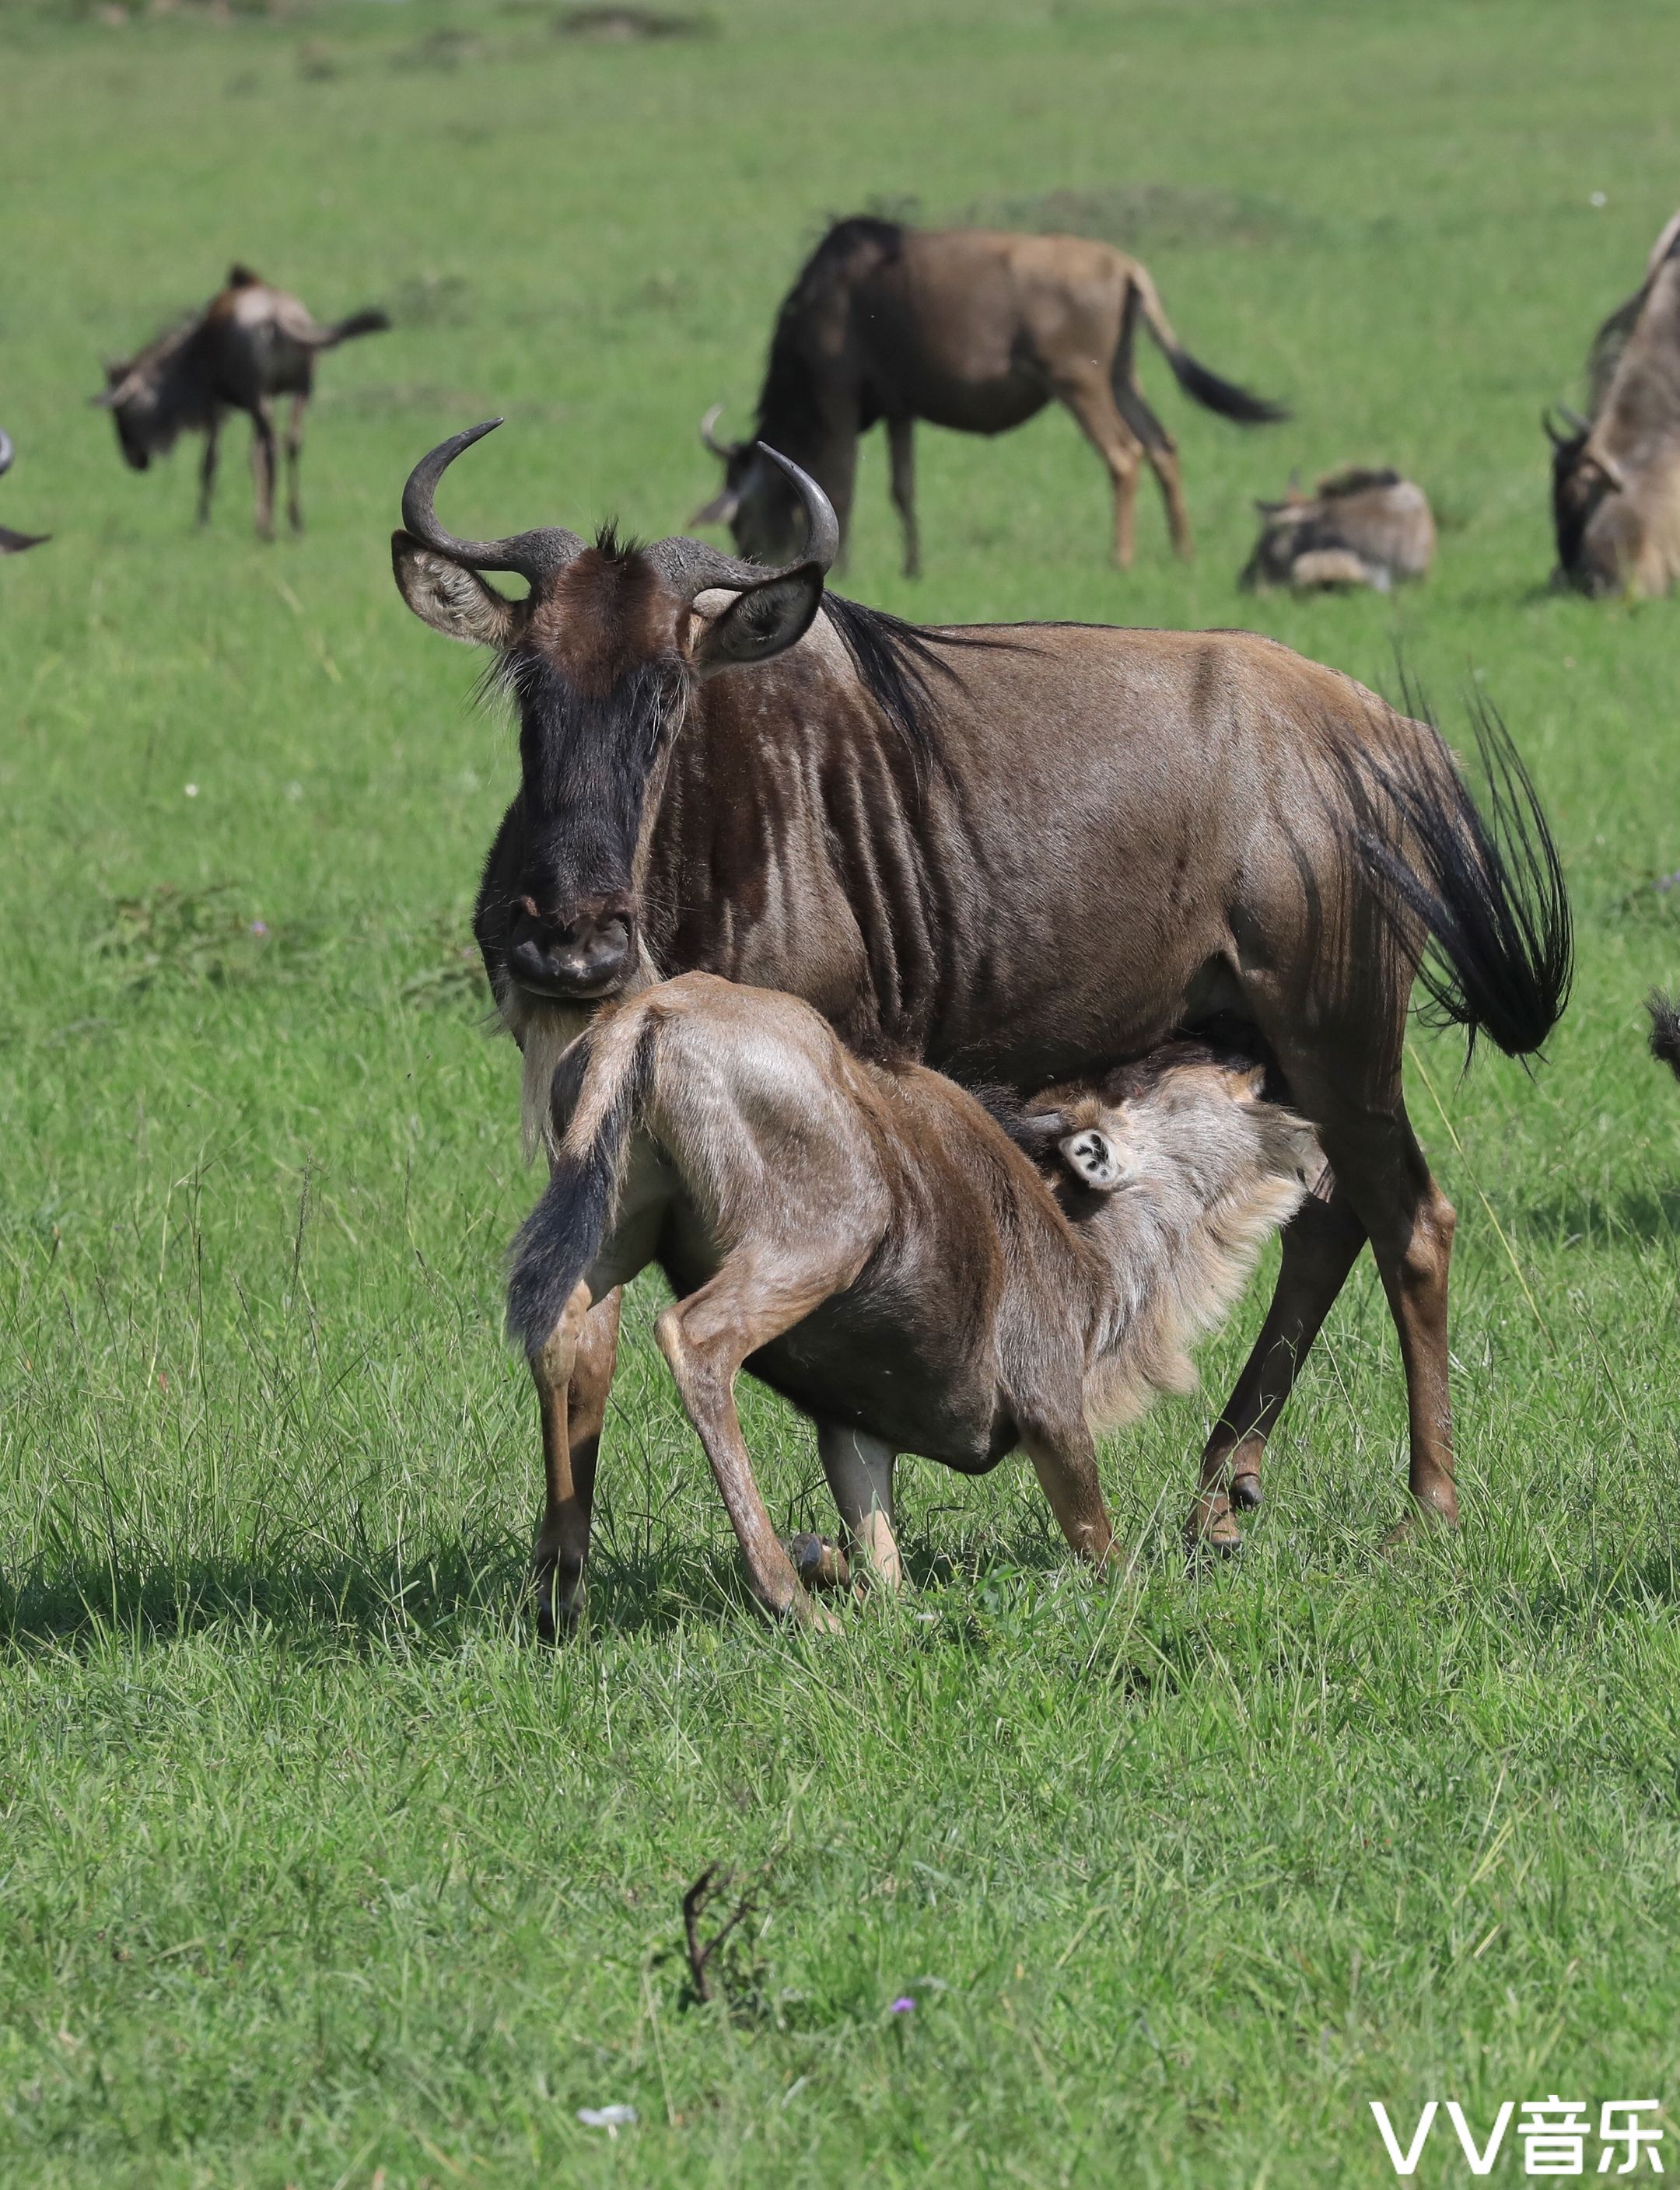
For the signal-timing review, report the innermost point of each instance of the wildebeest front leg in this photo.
(1320, 1246)
(262, 467)
(294, 449)
(706, 1338)
(207, 470)
(1066, 1461)
(901, 447)
(573, 1376)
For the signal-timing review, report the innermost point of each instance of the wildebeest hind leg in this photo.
(1093, 404)
(1319, 1247)
(573, 1376)
(901, 447)
(752, 1301)
(263, 467)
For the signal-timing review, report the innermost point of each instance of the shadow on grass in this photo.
(1637, 1213)
(386, 1599)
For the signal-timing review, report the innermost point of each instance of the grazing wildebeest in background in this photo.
(1664, 1030)
(1019, 852)
(869, 1240)
(965, 328)
(1358, 527)
(1615, 475)
(250, 345)
(14, 543)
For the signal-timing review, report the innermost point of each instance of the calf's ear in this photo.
(1092, 1157)
(449, 597)
(761, 621)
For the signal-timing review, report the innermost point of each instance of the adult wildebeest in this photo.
(967, 329)
(1664, 1030)
(1615, 476)
(1018, 852)
(1358, 527)
(250, 345)
(870, 1241)
(14, 543)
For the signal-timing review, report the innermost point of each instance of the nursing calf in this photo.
(871, 1242)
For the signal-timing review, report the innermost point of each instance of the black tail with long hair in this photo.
(1224, 396)
(1486, 882)
(373, 321)
(561, 1238)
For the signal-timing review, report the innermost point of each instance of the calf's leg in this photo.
(573, 1376)
(263, 467)
(752, 1300)
(859, 1471)
(1065, 1459)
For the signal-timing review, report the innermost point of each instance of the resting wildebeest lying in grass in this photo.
(1615, 476)
(1018, 852)
(966, 328)
(248, 346)
(1357, 528)
(14, 543)
(1664, 1031)
(871, 1242)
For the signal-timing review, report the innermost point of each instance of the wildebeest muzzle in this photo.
(587, 956)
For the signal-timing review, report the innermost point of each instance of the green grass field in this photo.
(313, 1870)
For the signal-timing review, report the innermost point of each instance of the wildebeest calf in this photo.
(1664, 1030)
(1615, 476)
(872, 1243)
(250, 344)
(14, 543)
(1357, 528)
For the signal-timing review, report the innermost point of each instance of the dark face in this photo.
(1578, 486)
(601, 660)
(130, 438)
(758, 504)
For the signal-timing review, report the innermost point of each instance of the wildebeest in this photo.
(14, 543)
(1664, 1030)
(250, 345)
(1019, 852)
(1615, 475)
(870, 1241)
(965, 328)
(1359, 527)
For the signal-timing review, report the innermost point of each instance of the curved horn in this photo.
(530, 555)
(822, 526)
(708, 434)
(5, 451)
(1574, 419)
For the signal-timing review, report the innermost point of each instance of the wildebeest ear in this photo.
(1092, 1157)
(763, 621)
(720, 510)
(451, 599)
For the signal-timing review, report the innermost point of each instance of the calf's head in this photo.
(601, 657)
(1582, 480)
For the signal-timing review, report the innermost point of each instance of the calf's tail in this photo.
(599, 1088)
(1485, 882)
(1198, 382)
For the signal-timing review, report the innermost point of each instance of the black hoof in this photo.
(818, 1564)
(1246, 1491)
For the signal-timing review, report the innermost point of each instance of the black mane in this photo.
(897, 664)
(788, 408)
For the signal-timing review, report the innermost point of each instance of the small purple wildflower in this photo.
(259, 927)
(903, 2005)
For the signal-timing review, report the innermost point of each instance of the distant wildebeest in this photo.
(1358, 527)
(968, 329)
(1615, 475)
(869, 1240)
(250, 345)
(1019, 852)
(1664, 1030)
(14, 543)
